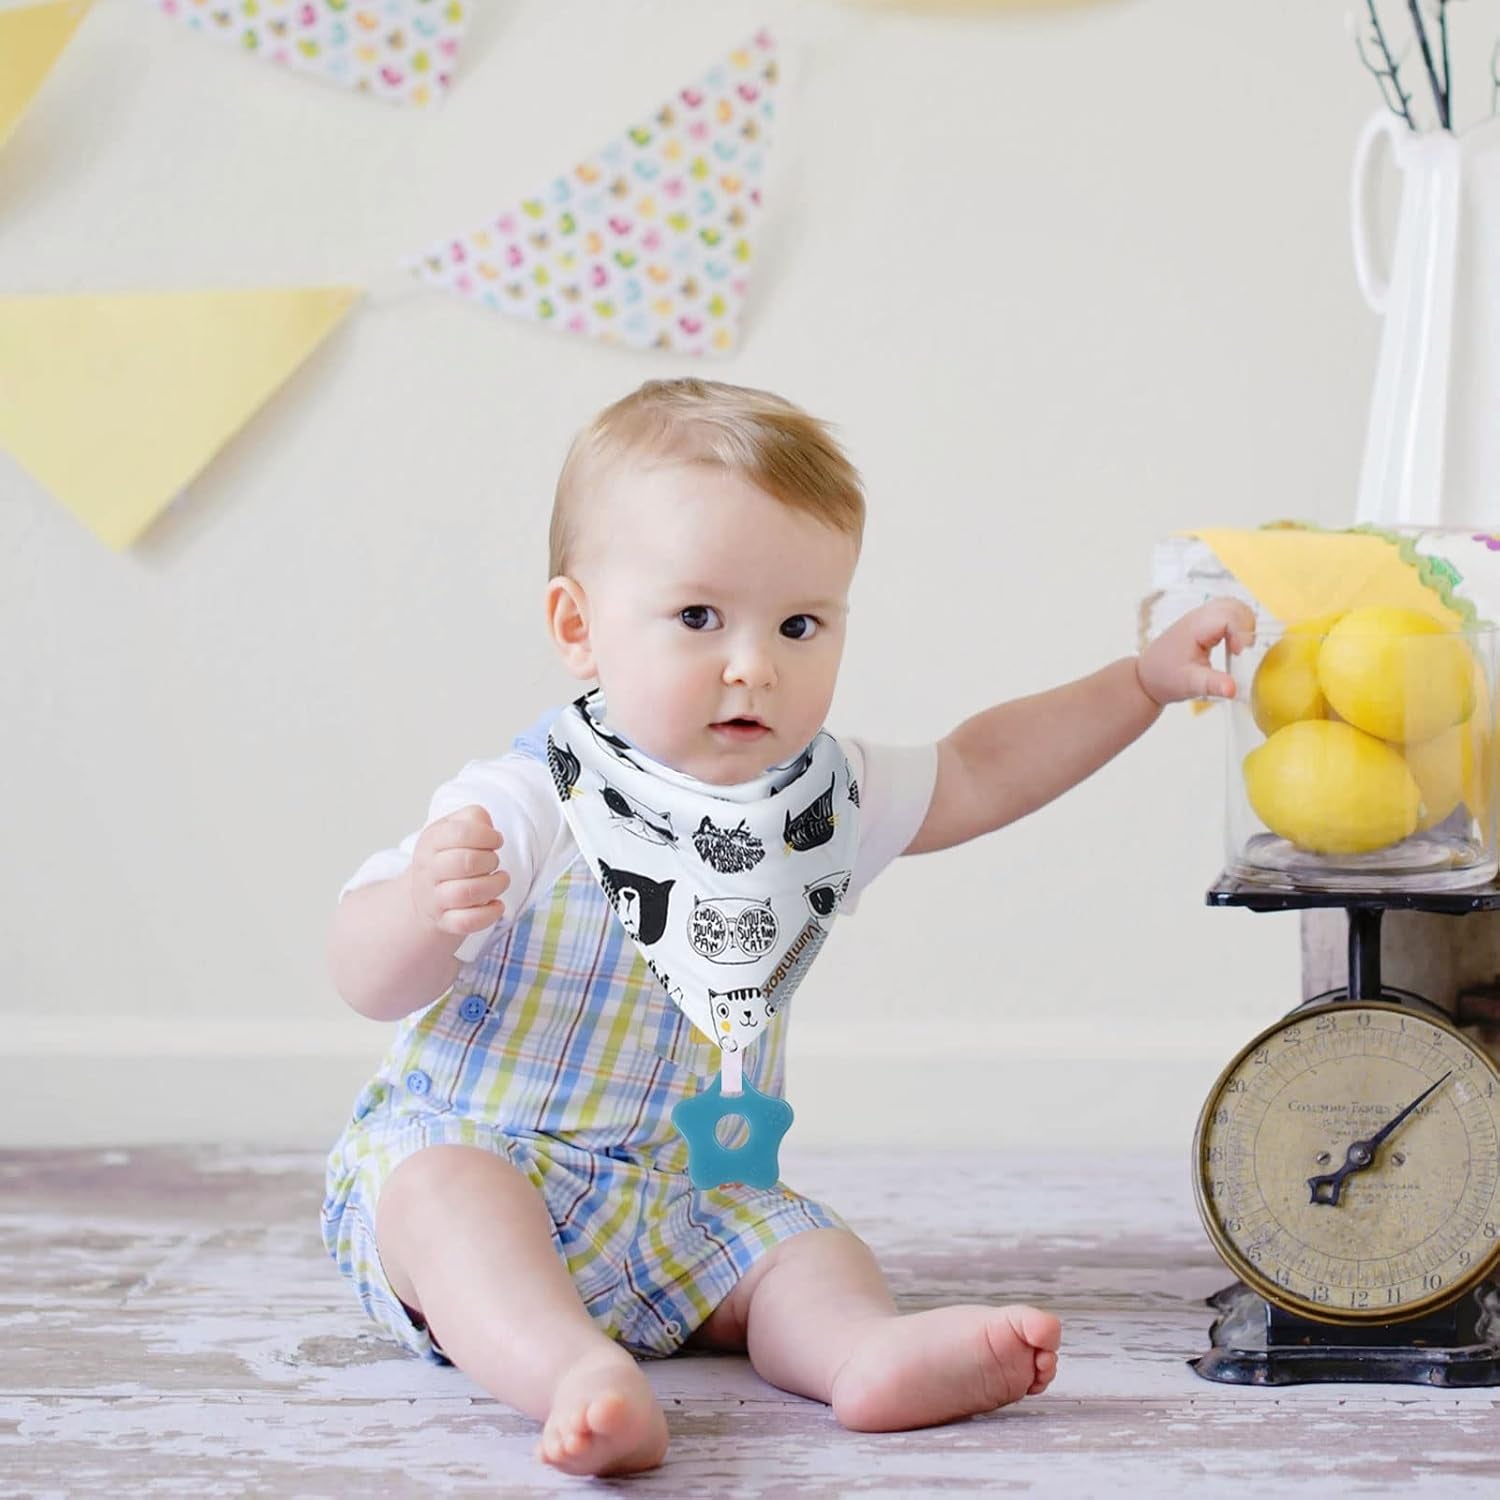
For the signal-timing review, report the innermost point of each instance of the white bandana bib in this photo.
(727, 891)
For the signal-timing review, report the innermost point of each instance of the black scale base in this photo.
(1257, 1344)
(1254, 1343)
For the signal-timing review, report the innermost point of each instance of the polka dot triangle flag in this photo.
(646, 243)
(400, 50)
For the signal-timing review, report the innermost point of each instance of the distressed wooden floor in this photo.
(169, 1325)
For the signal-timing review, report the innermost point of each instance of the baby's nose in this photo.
(751, 664)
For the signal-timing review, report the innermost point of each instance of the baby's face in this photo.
(716, 618)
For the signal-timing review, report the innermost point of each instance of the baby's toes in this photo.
(1046, 1371)
(563, 1436)
(1039, 1329)
(605, 1420)
(607, 1415)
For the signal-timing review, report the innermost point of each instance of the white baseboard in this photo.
(1058, 1083)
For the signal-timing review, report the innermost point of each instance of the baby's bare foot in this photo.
(604, 1420)
(937, 1366)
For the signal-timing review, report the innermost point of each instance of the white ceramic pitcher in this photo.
(1432, 451)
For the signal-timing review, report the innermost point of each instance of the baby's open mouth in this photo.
(741, 728)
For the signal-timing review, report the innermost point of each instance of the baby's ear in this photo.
(568, 623)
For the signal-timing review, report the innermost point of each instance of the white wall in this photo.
(1068, 281)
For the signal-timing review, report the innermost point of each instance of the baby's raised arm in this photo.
(1017, 756)
(393, 944)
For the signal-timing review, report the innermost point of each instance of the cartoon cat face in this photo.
(741, 1008)
(643, 822)
(640, 902)
(619, 748)
(813, 825)
(823, 896)
(793, 772)
(728, 850)
(564, 767)
(732, 929)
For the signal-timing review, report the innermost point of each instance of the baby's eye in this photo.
(799, 627)
(699, 617)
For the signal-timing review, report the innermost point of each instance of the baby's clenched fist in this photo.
(455, 875)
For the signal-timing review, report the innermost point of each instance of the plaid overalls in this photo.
(558, 1050)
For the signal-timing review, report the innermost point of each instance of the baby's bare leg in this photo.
(817, 1318)
(466, 1241)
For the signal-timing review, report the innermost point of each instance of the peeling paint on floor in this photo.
(170, 1325)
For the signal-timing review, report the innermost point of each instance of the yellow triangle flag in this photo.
(116, 402)
(30, 40)
(1297, 573)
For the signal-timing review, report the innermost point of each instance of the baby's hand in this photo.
(456, 877)
(1175, 665)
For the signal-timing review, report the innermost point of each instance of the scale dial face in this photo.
(1414, 1218)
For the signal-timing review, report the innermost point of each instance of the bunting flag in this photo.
(116, 402)
(960, 6)
(646, 243)
(400, 50)
(30, 40)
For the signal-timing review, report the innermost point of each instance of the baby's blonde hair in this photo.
(777, 446)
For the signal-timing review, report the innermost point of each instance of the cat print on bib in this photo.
(729, 889)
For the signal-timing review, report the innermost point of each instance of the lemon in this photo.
(1480, 790)
(1458, 765)
(1396, 673)
(1479, 779)
(1444, 769)
(1332, 789)
(1286, 687)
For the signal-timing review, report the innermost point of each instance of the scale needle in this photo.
(1361, 1154)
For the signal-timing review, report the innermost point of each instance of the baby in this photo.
(511, 1194)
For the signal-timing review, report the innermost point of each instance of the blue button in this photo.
(473, 1008)
(418, 1082)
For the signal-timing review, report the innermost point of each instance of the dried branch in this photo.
(1439, 93)
(1389, 76)
(1442, 12)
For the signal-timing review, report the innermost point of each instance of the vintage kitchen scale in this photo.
(1347, 1160)
(1347, 1169)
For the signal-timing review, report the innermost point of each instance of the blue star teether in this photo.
(711, 1164)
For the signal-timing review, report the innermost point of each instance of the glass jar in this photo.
(1362, 753)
